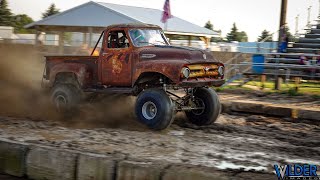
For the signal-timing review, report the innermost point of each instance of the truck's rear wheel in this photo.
(154, 109)
(65, 98)
(208, 100)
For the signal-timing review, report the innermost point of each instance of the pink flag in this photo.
(166, 12)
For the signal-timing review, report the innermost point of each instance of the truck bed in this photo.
(90, 61)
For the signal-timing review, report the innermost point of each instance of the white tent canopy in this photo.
(98, 15)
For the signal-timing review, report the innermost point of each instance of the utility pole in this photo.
(283, 16)
(319, 10)
(318, 20)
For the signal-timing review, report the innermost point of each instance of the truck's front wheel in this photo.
(209, 106)
(65, 98)
(155, 109)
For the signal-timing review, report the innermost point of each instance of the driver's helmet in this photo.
(137, 35)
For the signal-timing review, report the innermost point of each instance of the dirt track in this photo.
(246, 142)
(238, 142)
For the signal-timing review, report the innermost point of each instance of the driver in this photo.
(123, 41)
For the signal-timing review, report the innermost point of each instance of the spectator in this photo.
(284, 44)
(317, 63)
(318, 58)
(303, 60)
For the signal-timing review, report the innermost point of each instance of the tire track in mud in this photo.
(232, 142)
(294, 140)
(281, 141)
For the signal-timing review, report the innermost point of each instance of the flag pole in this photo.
(166, 14)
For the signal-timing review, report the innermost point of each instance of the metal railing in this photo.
(235, 69)
(278, 68)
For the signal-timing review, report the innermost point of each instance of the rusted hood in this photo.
(176, 53)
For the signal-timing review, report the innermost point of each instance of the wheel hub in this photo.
(198, 103)
(61, 102)
(149, 110)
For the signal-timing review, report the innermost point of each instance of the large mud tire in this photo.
(207, 98)
(155, 109)
(66, 98)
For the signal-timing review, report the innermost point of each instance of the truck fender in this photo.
(145, 75)
(171, 71)
(79, 70)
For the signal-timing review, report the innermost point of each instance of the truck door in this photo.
(115, 62)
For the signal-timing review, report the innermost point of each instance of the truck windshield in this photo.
(147, 37)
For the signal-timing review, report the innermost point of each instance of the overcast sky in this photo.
(251, 16)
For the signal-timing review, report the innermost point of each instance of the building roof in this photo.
(99, 14)
(134, 25)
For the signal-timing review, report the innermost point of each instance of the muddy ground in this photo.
(107, 125)
(247, 142)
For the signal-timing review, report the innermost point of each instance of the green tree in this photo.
(67, 37)
(217, 39)
(5, 14)
(208, 25)
(265, 35)
(289, 35)
(233, 35)
(243, 36)
(50, 11)
(20, 21)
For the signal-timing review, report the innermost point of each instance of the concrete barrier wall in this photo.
(271, 110)
(49, 163)
(41, 162)
(97, 166)
(12, 158)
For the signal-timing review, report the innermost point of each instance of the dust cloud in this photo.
(21, 95)
(20, 82)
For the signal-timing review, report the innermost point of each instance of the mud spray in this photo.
(21, 95)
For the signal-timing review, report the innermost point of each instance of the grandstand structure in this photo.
(301, 61)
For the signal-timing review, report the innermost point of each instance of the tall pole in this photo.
(318, 23)
(319, 10)
(283, 16)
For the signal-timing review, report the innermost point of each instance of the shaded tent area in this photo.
(94, 17)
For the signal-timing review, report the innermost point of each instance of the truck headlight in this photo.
(221, 70)
(185, 72)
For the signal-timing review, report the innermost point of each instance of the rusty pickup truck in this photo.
(138, 60)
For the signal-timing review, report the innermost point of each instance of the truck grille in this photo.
(203, 70)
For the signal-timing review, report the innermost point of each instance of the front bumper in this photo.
(201, 82)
